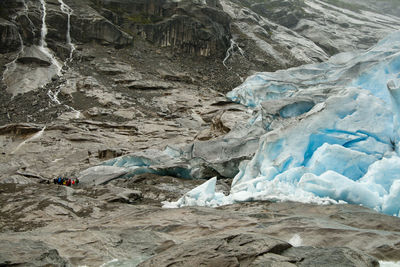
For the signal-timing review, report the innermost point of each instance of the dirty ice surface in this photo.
(332, 134)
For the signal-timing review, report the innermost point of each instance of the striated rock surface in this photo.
(97, 224)
(334, 26)
(253, 250)
(194, 27)
(10, 41)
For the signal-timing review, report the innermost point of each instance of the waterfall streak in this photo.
(33, 137)
(43, 45)
(231, 51)
(68, 11)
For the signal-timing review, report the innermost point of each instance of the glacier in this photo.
(331, 134)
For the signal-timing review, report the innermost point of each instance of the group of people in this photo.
(66, 181)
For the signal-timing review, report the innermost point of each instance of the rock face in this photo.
(330, 25)
(287, 33)
(10, 41)
(91, 26)
(259, 36)
(189, 26)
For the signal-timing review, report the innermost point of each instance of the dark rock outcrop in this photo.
(86, 25)
(9, 37)
(287, 13)
(188, 26)
(101, 31)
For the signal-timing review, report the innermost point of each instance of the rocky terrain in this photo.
(52, 224)
(84, 81)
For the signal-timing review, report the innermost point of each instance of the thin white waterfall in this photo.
(55, 68)
(26, 11)
(54, 95)
(43, 45)
(231, 51)
(68, 11)
(33, 137)
(25, 6)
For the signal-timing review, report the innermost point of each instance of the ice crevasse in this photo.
(333, 138)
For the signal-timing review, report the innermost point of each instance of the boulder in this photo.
(122, 196)
(149, 85)
(34, 55)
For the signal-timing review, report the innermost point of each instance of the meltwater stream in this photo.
(231, 51)
(43, 46)
(20, 75)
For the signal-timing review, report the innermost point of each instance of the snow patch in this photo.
(389, 264)
(296, 241)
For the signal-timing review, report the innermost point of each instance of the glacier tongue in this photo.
(332, 134)
(371, 70)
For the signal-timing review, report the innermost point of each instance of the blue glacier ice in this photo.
(332, 134)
